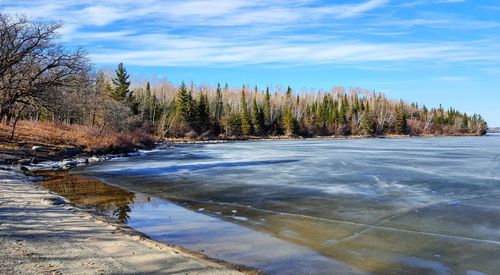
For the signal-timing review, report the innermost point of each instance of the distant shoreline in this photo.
(277, 138)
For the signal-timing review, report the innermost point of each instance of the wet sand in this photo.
(40, 234)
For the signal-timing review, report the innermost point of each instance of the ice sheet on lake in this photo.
(373, 197)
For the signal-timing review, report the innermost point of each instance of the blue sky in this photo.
(432, 52)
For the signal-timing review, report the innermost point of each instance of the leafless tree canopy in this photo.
(35, 70)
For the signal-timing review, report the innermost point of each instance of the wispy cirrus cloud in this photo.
(179, 50)
(211, 12)
(238, 32)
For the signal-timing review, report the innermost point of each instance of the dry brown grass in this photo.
(91, 139)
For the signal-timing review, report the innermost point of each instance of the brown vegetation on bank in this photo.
(45, 140)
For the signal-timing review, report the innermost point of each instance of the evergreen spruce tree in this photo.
(183, 104)
(257, 117)
(246, 124)
(147, 104)
(368, 125)
(219, 105)
(343, 106)
(121, 83)
(120, 92)
(335, 113)
(233, 124)
(288, 122)
(289, 125)
(320, 119)
(401, 127)
(133, 103)
(465, 123)
(193, 115)
(203, 113)
(266, 109)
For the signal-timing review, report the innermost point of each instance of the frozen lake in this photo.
(419, 205)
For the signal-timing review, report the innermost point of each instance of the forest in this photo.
(43, 81)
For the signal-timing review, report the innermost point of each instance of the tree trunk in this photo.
(16, 119)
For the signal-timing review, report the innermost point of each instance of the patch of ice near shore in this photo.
(378, 187)
(434, 266)
(239, 218)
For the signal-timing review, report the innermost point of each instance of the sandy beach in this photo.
(42, 234)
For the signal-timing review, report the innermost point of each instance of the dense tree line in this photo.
(40, 80)
(213, 112)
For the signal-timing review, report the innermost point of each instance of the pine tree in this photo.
(342, 113)
(320, 118)
(267, 111)
(368, 125)
(257, 118)
(289, 124)
(233, 124)
(246, 125)
(121, 82)
(203, 113)
(191, 104)
(133, 103)
(287, 121)
(401, 127)
(219, 105)
(146, 104)
(465, 123)
(183, 103)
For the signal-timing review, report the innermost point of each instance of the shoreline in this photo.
(21, 195)
(292, 138)
(86, 158)
(29, 154)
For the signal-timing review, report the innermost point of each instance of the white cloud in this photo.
(175, 50)
(222, 32)
(355, 10)
(101, 15)
(190, 12)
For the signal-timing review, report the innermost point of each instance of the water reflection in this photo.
(90, 193)
(170, 223)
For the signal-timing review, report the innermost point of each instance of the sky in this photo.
(427, 51)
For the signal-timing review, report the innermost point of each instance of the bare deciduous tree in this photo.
(35, 70)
